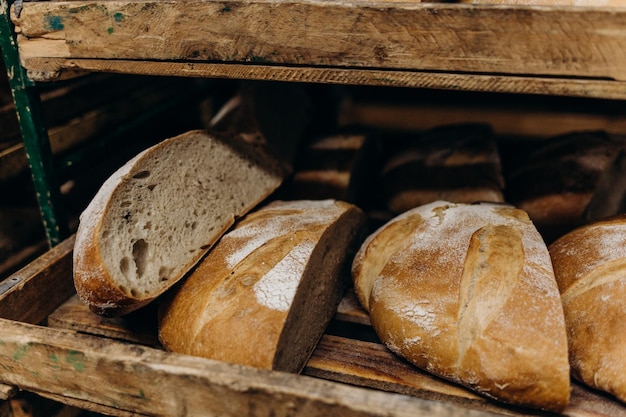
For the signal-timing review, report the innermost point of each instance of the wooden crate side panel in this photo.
(556, 41)
(33, 292)
(152, 382)
(49, 69)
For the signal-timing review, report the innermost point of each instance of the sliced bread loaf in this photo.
(155, 217)
(265, 293)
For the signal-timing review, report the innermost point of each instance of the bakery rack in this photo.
(568, 51)
(48, 343)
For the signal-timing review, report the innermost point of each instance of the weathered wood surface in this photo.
(139, 327)
(153, 382)
(32, 293)
(345, 359)
(455, 38)
(7, 391)
(509, 117)
(49, 69)
(122, 106)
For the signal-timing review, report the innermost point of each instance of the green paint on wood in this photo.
(54, 23)
(20, 353)
(34, 133)
(110, 30)
(55, 360)
(118, 17)
(225, 9)
(75, 359)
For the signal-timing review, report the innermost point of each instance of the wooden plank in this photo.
(32, 293)
(49, 69)
(346, 360)
(88, 406)
(149, 381)
(139, 327)
(370, 364)
(505, 119)
(349, 310)
(540, 41)
(7, 391)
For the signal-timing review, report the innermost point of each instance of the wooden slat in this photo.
(32, 293)
(139, 327)
(149, 381)
(93, 122)
(346, 360)
(7, 391)
(507, 119)
(48, 69)
(370, 364)
(549, 41)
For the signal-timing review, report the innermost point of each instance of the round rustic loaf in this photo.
(467, 292)
(590, 268)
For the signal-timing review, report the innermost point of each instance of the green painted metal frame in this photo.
(34, 133)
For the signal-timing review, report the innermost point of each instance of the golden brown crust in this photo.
(589, 265)
(471, 297)
(264, 294)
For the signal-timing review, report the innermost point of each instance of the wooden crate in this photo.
(572, 51)
(51, 345)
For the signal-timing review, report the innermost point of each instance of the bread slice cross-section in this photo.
(156, 216)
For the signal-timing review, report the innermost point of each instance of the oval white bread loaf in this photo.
(155, 217)
(467, 292)
(590, 268)
(264, 294)
(556, 180)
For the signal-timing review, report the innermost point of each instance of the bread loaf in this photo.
(457, 163)
(555, 182)
(276, 114)
(264, 294)
(590, 268)
(467, 292)
(155, 217)
(338, 165)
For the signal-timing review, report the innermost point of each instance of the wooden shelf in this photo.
(116, 366)
(569, 51)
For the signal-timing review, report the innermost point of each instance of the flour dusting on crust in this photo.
(277, 288)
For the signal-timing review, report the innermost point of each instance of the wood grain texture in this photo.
(539, 41)
(343, 359)
(50, 69)
(139, 327)
(34, 291)
(506, 118)
(128, 377)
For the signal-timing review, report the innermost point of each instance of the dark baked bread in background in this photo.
(556, 179)
(340, 164)
(457, 163)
